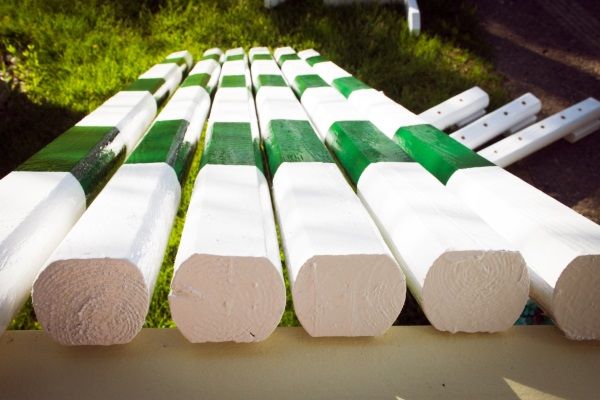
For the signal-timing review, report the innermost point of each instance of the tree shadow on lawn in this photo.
(372, 42)
(26, 127)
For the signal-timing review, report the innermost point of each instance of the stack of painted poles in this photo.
(228, 283)
(463, 234)
(561, 247)
(465, 276)
(46, 195)
(96, 287)
(343, 277)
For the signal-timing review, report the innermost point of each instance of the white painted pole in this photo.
(523, 143)
(561, 247)
(501, 120)
(46, 195)
(97, 286)
(465, 276)
(344, 279)
(460, 108)
(228, 284)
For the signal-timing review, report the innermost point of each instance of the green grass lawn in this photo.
(61, 59)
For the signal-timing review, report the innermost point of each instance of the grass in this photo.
(61, 59)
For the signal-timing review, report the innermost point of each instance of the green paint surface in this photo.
(261, 57)
(94, 172)
(356, 144)
(287, 57)
(235, 57)
(197, 80)
(68, 149)
(315, 60)
(270, 80)
(231, 143)
(184, 160)
(178, 61)
(293, 141)
(161, 144)
(349, 84)
(81, 150)
(215, 57)
(436, 151)
(233, 81)
(149, 84)
(303, 82)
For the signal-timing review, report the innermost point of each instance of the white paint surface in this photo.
(326, 105)
(189, 60)
(344, 280)
(130, 112)
(97, 285)
(501, 120)
(463, 274)
(531, 139)
(457, 108)
(228, 284)
(561, 247)
(37, 209)
(172, 75)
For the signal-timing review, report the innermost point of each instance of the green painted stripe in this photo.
(64, 152)
(349, 84)
(437, 152)
(178, 61)
(197, 80)
(303, 82)
(270, 80)
(315, 60)
(235, 57)
(215, 57)
(231, 143)
(81, 150)
(149, 84)
(261, 57)
(161, 143)
(164, 143)
(356, 144)
(233, 81)
(184, 160)
(287, 57)
(293, 141)
(94, 172)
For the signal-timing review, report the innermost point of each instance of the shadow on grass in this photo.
(26, 127)
(372, 42)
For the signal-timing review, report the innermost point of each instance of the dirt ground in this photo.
(552, 49)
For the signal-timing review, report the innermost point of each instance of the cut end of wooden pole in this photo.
(227, 298)
(98, 301)
(476, 291)
(349, 295)
(576, 300)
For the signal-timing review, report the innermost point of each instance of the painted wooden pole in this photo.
(97, 285)
(228, 284)
(465, 276)
(545, 132)
(46, 195)
(499, 121)
(344, 279)
(460, 110)
(561, 247)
